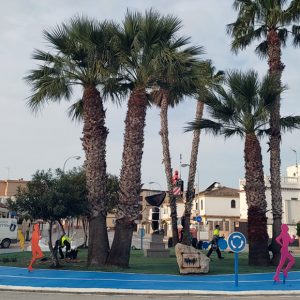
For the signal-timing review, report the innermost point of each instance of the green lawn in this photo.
(141, 264)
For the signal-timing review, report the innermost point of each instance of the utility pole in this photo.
(296, 161)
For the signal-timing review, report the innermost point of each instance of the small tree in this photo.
(51, 197)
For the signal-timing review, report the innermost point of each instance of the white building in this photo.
(290, 186)
(217, 205)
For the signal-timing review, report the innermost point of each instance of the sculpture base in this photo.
(157, 253)
(157, 247)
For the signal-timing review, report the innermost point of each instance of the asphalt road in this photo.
(136, 241)
(53, 296)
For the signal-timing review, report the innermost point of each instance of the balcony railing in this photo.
(285, 181)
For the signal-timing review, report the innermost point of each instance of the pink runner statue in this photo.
(284, 239)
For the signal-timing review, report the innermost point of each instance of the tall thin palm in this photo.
(209, 79)
(81, 56)
(142, 40)
(178, 78)
(244, 110)
(269, 21)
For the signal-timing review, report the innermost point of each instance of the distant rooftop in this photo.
(216, 189)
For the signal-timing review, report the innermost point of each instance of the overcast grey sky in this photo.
(44, 141)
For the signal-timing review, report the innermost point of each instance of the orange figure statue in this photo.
(284, 239)
(35, 247)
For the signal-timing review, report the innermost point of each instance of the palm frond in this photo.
(262, 49)
(228, 132)
(58, 38)
(296, 35)
(289, 123)
(270, 90)
(244, 87)
(283, 35)
(116, 89)
(75, 111)
(264, 132)
(208, 125)
(293, 11)
(47, 84)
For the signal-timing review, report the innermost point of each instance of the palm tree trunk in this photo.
(130, 179)
(94, 145)
(256, 201)
(164, 133)
(275, 68)
(85, 231)
(191, 178)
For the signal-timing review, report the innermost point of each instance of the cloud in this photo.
(45, 141)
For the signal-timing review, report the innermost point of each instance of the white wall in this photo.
(221, 206)
(290, 198)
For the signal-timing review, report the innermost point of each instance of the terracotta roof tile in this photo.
(221, 191)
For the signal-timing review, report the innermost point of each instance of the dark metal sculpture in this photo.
(155, 200)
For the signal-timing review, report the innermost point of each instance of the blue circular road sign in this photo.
(222, 244)
(237, 242)
(198, 219)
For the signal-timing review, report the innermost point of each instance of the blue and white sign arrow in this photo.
(237, 243)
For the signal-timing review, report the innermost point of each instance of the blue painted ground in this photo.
(10, 276)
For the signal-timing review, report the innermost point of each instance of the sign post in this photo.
(141, 233)
(237, 243)
(198, 219)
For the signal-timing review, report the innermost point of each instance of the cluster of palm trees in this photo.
(145, 61)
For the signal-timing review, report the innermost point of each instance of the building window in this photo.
(232, 203)
(226, 225)
(294, 198)
(197, 205)
(201, 204)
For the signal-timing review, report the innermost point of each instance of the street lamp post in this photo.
(296, 161)
(76, 157)
(187, 165)
(151, 182)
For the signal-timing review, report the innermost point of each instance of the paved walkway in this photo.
(104, 282)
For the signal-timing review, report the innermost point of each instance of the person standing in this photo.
(214, 243)
(21, 239)
(28, 224)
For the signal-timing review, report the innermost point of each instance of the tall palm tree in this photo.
(209, 79)
(142, 40)
(178, 78)
(269, 21)
(244, 110)
(81, 56)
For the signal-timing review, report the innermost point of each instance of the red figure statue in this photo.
(284, 239)
(35, 247)
(175, 177)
